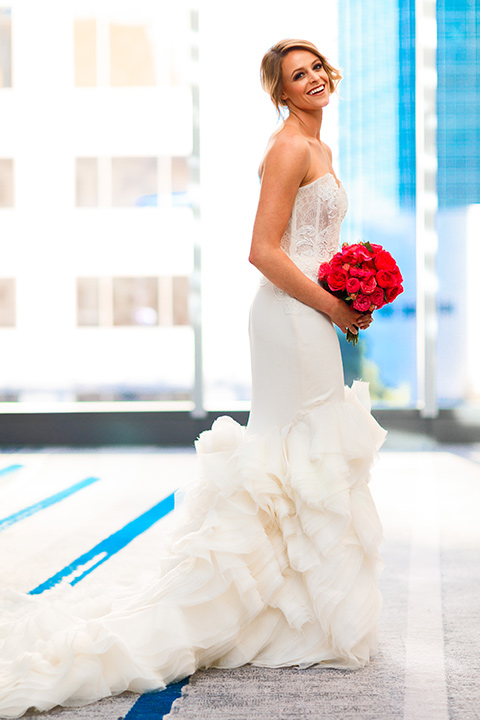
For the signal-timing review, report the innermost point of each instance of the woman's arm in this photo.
(286, 165)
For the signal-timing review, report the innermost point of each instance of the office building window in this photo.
(180, 286)
(180, 175)
(131, 56)
(132, 301)
(86, 182)
(6, 183)
(7, 302)
(134, 181)
(5, 47)
(85, 50)
(132, 49)
(88, 301)
(135, 301)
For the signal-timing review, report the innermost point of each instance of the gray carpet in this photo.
(374, 693)
(449, 689)
(429, 504)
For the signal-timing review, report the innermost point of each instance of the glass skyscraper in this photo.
(458, 102)
(378, 168)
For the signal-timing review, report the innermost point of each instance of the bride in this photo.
(274, 559)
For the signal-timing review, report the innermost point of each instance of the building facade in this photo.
(378, 165)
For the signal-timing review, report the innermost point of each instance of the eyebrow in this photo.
(302, 68)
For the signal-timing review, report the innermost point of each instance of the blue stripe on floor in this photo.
(87, 562)
(42, 504)
(9, 469)
(155, 705)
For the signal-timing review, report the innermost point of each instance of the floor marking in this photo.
(42, 504)
(155, 705)
(425, 681)
(9, 469)
(87, 562)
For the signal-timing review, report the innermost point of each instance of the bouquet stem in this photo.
(352, 337)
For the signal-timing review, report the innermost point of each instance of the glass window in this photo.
(85, 48)
(180, 175)
(126, 301)
(88, 301)
(5, 47)
(6, 183)
(7, 302)
(377, 166)
(180, 301)
(86, 182)
(135, 301)
(131, 56)
(134, 181)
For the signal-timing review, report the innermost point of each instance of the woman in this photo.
(274, 561)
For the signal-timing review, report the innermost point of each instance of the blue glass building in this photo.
(377, 166)
(458, 102)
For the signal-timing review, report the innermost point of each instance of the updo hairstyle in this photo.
(271, 69)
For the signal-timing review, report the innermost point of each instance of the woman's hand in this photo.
(347, 318)
(365, 321)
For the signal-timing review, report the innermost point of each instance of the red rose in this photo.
(361, 253)
(349, 256)
(362, 303)
(353, 285)
(336, 262)
(368, 285)
(358, 272)
(384, 261)
(376, 248)
(378, 297)
(393, 292)
(398, 275)
(337, 280)
(385, 279)
(324, 271)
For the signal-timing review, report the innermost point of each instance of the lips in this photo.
(317, 90)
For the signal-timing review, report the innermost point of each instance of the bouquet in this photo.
(364, 275)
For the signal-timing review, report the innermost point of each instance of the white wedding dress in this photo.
(274, 559)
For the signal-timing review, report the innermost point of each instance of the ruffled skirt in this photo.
(274, 562)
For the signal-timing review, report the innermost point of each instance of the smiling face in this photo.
(305, 82)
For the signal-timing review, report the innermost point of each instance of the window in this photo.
(135, 301)
(7, 302)
(88, 301)
(5, 48)
(86, 182)
(132, 301)
(85, 44)
(130, 48)
(131, 56)
(6, 183)
(121, 53)
(134, 181)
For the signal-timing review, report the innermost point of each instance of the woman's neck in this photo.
(308, 123)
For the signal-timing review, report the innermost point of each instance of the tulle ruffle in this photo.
(274, 561)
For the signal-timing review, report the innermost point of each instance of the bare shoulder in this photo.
(327, 148)
(288, 153)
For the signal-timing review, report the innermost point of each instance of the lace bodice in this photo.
(312, 235)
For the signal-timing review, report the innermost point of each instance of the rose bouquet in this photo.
(364, 275)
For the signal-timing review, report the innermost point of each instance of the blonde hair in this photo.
(271, 69)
